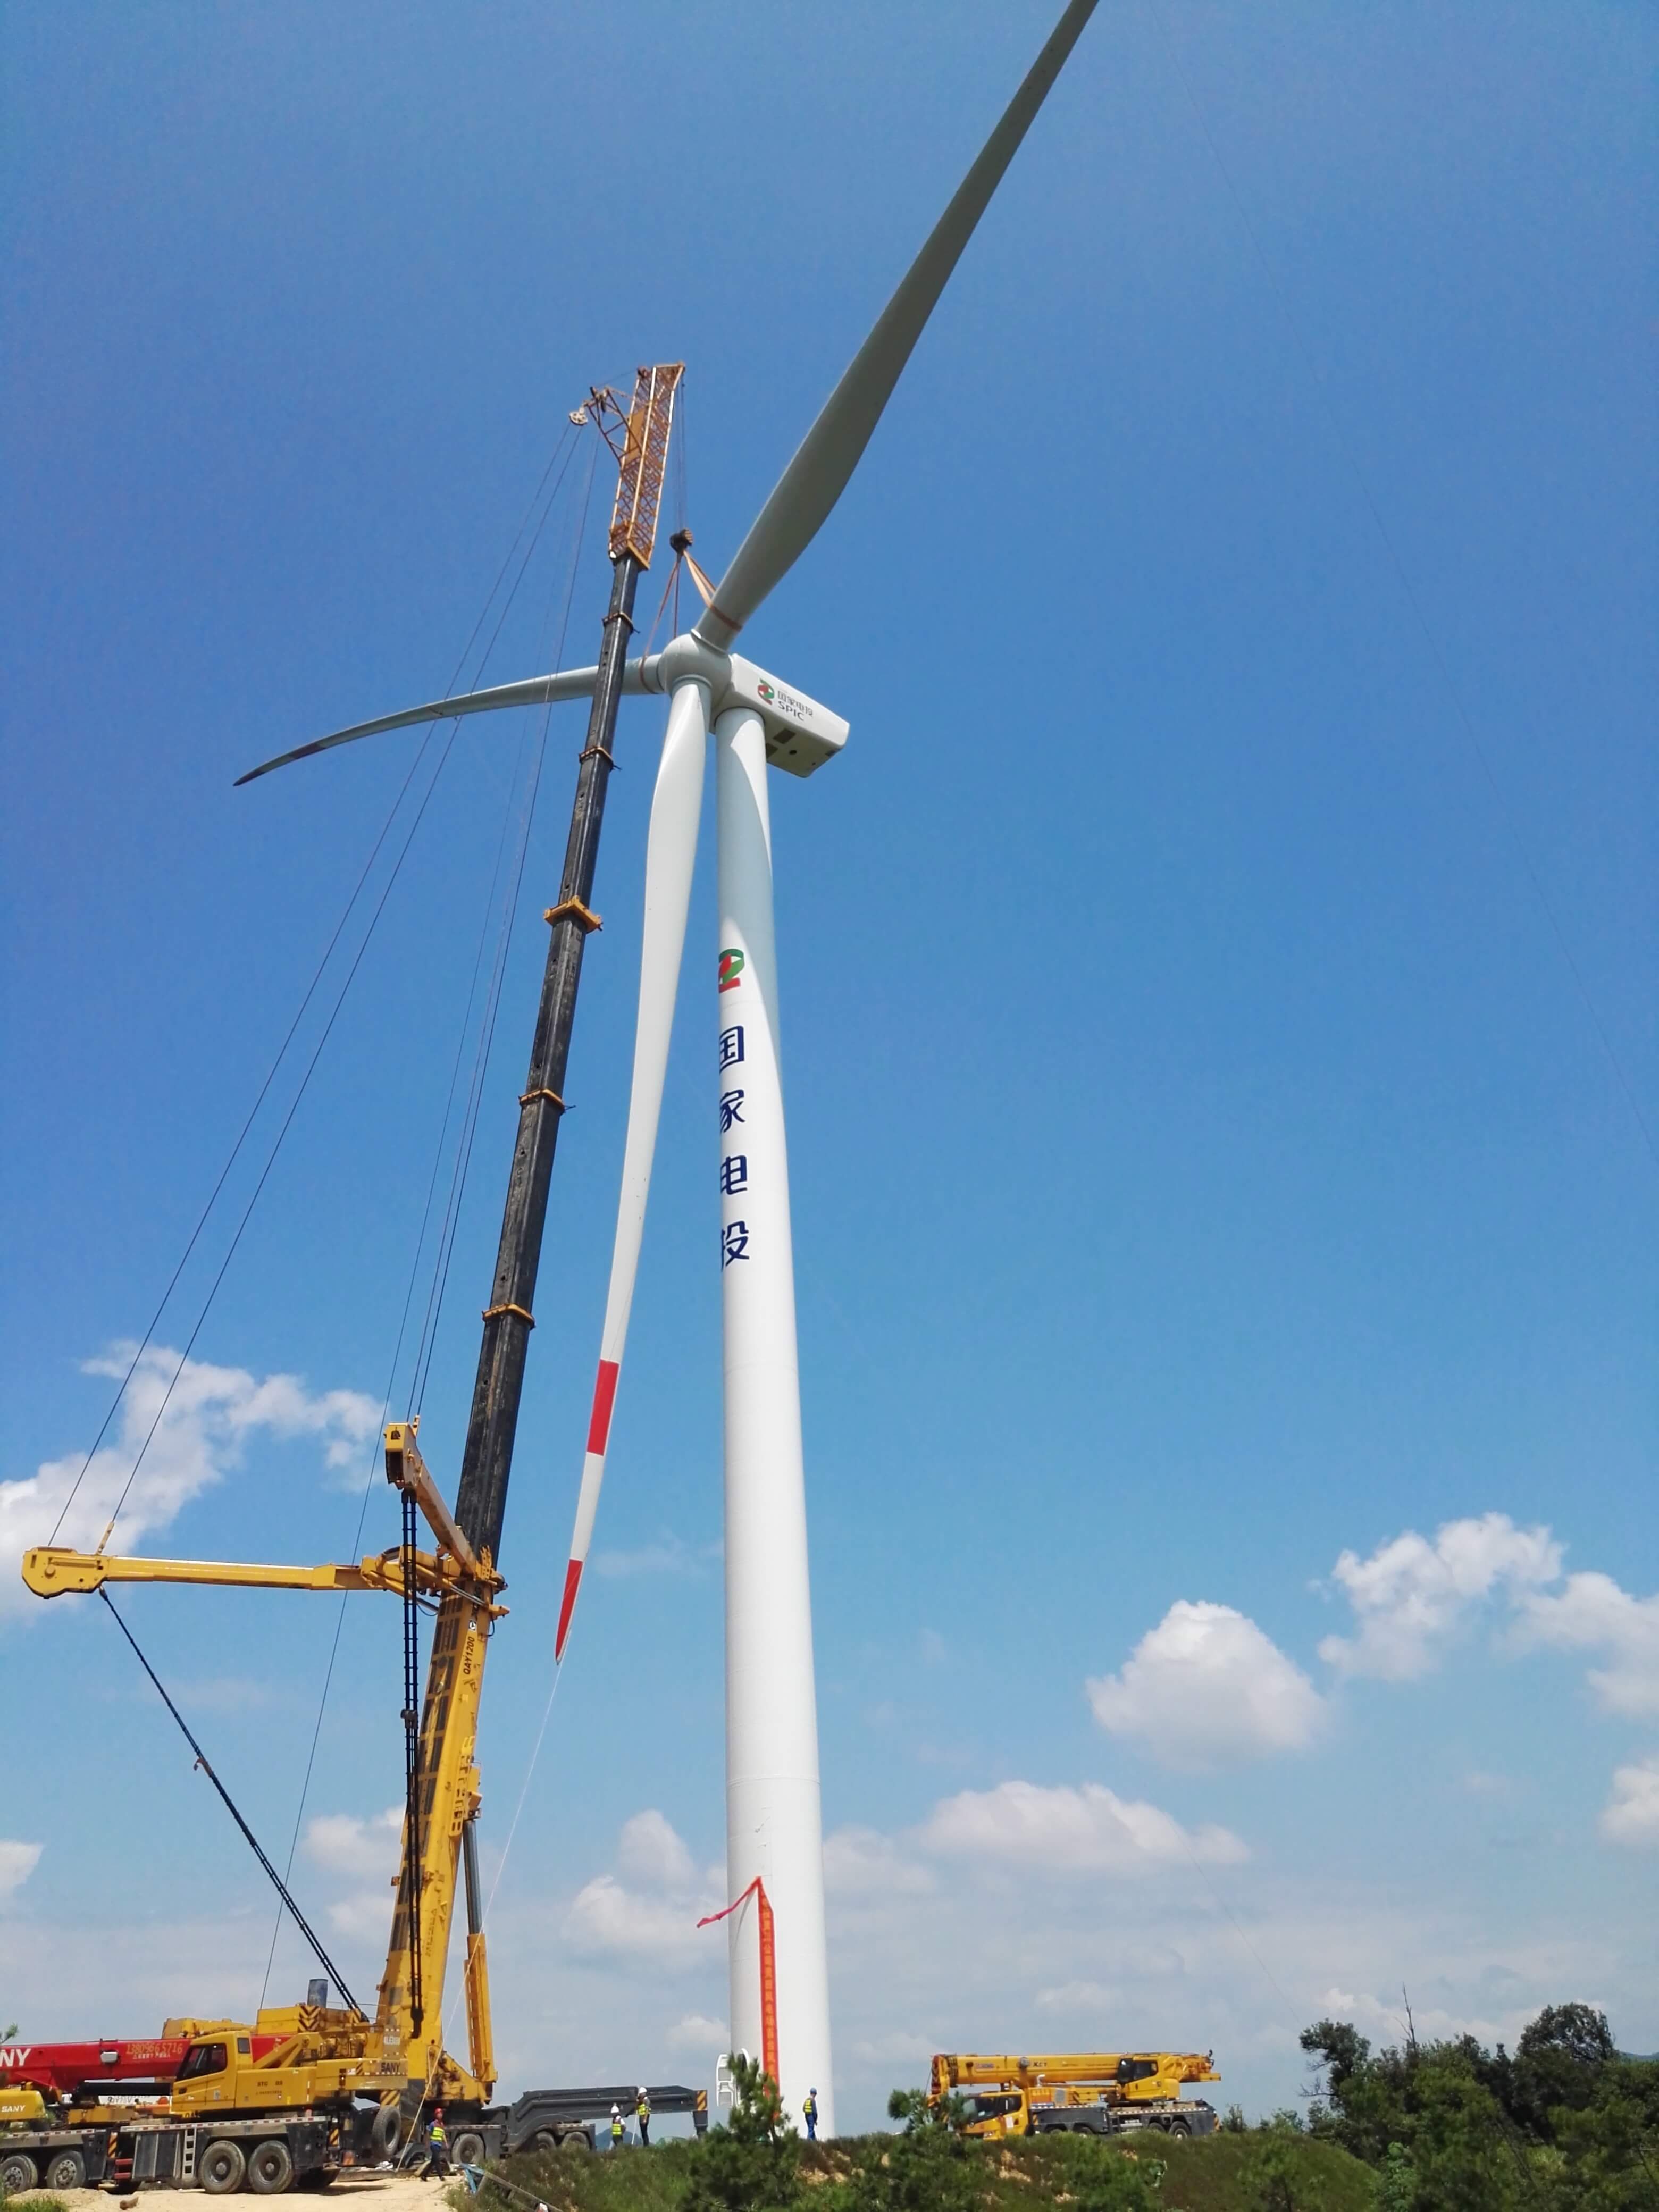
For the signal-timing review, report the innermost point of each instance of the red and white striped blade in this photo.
(670, 853)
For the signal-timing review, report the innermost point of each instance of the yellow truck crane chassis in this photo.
(298, 2055)
(1079, 2092)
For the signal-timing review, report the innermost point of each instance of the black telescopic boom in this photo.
(487, 1460)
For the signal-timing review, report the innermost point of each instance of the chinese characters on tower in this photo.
(734, 1166)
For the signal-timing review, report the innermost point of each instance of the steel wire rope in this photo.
(464, 1157)
(206, 1766)
(310, 992)
(1438, 659)
(441, 1146)
(464, 1147)
(457, 1997)
(452, 726)
(235, 1150)
(288, 1121)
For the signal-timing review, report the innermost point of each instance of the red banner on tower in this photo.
(768, 1970)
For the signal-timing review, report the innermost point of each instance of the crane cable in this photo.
(565, 441)
(458, 1183)
(206, 1765)
(280, 1884)
(492, 997)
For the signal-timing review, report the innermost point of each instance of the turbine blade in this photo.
(670, 855)
(534, 691)
(826, 458)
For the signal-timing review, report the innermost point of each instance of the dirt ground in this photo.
(361, 2192)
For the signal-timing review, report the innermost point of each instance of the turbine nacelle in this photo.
(801, 734)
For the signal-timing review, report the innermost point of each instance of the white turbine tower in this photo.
(774, 1826)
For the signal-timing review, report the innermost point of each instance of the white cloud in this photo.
(668, 1555)
(17, 1863)
(695, 2032)
(364, 1914)
(209, 1417)
(1087, 1830)
(1630, 1815)
(1593, 1613)
(1205, 1686)
(346, 1844)
(1410, 1596)
(1079, 1997)
(604, 1918)
(863, 1863)
(653, 1915)
(650, 1852)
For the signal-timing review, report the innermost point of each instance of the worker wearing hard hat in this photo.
(808, 2112)
(437, 2148)
(617, 2129)
(642, 2114)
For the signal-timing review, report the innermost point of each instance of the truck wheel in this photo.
(544, 2140)
(17, 2173)
(67, 2171)
(270, 2168)
(220, 2167)
(1180, 2127)
(386, 2132)
(468, 2147)
(578, 2139)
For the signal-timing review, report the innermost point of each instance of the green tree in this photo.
(1275, 2176)
(753, 2163)
(928, 2168)
(1558, 2063)
(1340, 2048)
(1609, 2151)
(1464, 2150)
(1396, 2181)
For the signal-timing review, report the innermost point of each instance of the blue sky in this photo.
(1218, 975)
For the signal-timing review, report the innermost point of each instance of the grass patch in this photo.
(1209, 2174)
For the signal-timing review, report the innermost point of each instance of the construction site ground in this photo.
(363, 2192)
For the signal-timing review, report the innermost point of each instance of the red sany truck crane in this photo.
(62, 2104)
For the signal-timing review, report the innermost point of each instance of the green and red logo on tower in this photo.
(731, 967)
(767, 692)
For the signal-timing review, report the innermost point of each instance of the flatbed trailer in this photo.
(550, 2119)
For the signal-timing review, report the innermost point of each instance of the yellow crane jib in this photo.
(639, 439)
(334, 2054)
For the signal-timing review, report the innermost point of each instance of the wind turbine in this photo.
(774, 1825)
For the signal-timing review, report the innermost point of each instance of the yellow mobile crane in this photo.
(1086, 2092)
(236, 2087)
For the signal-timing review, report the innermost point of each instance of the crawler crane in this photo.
(238, 2086)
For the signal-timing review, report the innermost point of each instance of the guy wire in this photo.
(458, 1189)
(432, 1182)
(567, 438)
